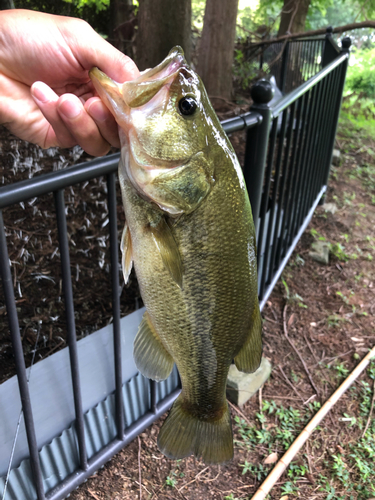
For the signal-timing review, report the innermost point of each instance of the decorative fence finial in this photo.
(262, 92)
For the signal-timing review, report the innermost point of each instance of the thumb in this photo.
(97, 52)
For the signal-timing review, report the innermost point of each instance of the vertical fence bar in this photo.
(20, 362)
(70, 323)
(306, 159)
(113, 238)
(256, 145)
(276, 180)
(346, 43)
(264, 210)
(310, 165)
(153, 390)
(330, 52)
(300, 165)
(328, 83)
(284, 66)
(333, 80)
(291, 183)
(319, 139)
(278, 236)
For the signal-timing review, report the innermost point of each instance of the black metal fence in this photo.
(293, 61)
(286, 167)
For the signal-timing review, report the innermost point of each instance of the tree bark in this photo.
(162, 24)
(216, 52)
(121, 26)
(293, 16)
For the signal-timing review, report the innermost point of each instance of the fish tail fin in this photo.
(183, 434)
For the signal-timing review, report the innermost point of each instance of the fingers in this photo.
(47, 101)
(104, 120)
(92, 126)
(98, 52)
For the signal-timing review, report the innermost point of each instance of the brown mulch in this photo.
(325, 327)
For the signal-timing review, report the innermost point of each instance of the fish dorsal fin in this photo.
(150, 356)
(168, 249)
(127, 252)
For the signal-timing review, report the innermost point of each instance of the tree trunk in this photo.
(122, 25)
(162, 24)
(216, 52)
(293, 16)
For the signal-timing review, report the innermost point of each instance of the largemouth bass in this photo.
(190, 234)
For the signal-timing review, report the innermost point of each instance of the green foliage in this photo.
(95, 12)
(197, 14)
(361, 73)
(258, 471)
(358, 108)
(244, 71)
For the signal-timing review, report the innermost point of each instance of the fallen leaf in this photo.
(285, 497)
(313, 324)
(271, 459)
(356, 340)
(290, 320)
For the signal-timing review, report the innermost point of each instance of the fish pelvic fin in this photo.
(150, 356)
(127, 253)
(184, 434)
(250, 355)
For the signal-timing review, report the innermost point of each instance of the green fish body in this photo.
(190, 235)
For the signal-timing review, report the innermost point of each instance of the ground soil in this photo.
(326, 310)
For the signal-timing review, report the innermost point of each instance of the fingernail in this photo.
(70, 109)
(43, 93)
(98, 111)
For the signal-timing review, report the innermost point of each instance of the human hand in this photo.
(46, 96)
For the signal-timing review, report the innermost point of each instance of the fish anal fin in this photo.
(168, 249)
(184, 434)
(127, 253)
(250, 355)
(150, 356)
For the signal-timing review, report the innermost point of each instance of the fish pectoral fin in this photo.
(150, 356)
(249, 357)
(184, 434)
(127, 253)
(168, 249)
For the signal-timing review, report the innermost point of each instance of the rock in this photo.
(330, 207)
(241, 386)
(336, 157)
(320, 252)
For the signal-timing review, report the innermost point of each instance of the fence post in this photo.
(330, 50)
(345, 49)
(284, 66)
(257, 145)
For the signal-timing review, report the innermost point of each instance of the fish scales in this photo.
(196, 269)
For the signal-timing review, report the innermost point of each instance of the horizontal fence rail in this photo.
(286, 168)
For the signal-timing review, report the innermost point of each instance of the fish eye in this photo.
(187, 106)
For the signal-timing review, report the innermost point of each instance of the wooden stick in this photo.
(285, 460)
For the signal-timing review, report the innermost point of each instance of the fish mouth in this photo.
(138, 92)
(170, 65)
